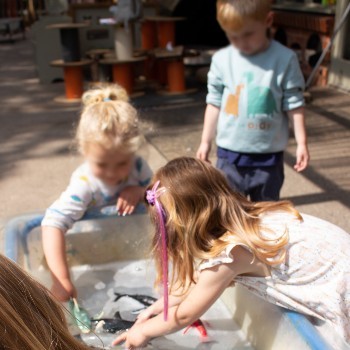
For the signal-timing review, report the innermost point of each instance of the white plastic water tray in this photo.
(110, 254)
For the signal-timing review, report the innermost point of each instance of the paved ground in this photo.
(37, 159)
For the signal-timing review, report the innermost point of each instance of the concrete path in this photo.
(322, 190)
(37, 156)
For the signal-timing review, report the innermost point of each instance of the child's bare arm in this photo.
(209, 129)
(302, 152)
(158, 307)
(55, 253)
(179, 294)
(211, 283)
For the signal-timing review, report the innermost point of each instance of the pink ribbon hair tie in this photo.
(152, 199)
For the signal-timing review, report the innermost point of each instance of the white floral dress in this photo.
(315, 277)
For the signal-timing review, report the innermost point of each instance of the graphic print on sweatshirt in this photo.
(252, 105)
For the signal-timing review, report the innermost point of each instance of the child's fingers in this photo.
(120, 203)
(301, 163)
(202, 155)
(129, 209)
(126, 206)
(126, 210)
(302, 160)
(298, 167)
(120, 339)
(123, 207)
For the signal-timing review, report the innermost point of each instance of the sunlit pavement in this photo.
(37, 155)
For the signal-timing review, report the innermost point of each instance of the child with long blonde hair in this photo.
(30, 318)
(214, 236)
(108, 137)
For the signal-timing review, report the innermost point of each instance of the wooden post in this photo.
(166, 33)
(122, 74)
(148, 35)
(165, 28)
(176, 75)
(73, 78)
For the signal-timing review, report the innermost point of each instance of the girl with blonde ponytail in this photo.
(108, 137)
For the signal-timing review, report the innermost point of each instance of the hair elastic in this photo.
(106, 99)
(152, 198)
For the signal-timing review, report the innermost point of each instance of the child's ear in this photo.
(269, 19)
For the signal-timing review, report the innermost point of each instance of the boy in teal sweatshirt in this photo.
(254, 85)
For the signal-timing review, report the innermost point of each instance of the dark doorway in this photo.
(201, 27)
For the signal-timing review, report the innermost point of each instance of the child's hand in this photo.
(63, 290)
(302, 158)
(133, 338)
(128, 199)
(203, 151)
(144, 315)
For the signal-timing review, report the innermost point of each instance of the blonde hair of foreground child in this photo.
(231, 14)
(201, 212)
(29, 316)
(108, 120)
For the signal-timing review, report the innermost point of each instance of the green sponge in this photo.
(80, 316)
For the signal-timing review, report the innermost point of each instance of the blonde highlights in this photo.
(29, 316)
(203, 213)
(109, 120)
(231, 14)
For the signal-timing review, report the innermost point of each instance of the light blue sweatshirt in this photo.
(253, 94)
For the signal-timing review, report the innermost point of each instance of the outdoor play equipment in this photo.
(71, 61)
